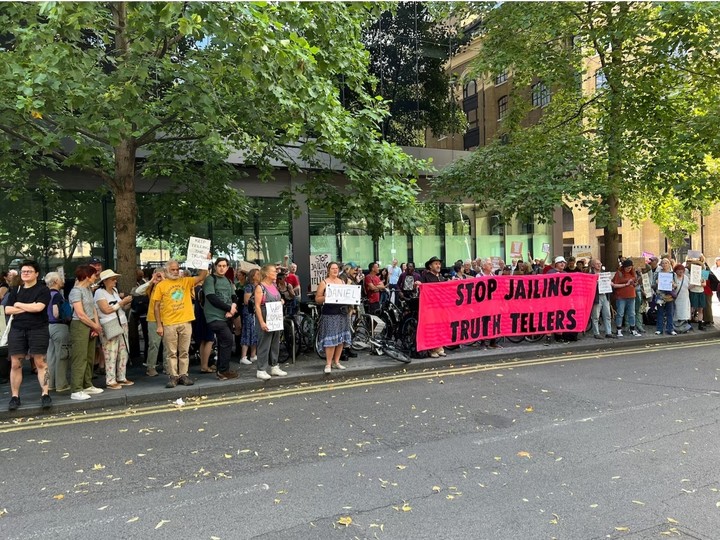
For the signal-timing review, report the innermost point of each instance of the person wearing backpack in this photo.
(59, 313)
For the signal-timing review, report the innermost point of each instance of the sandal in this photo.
(114, 386)
(211, 369)
(125, 383)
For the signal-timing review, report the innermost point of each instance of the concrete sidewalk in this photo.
(309, 369)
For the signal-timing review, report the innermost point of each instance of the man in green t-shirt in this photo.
(221, 306)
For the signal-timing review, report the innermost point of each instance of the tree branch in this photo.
(171, 139)
(59, 156)
(578, 112)
(89, 134)
(148, 136)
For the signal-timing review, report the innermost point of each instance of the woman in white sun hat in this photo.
(111, 309)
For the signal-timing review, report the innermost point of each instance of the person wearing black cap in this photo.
(623, 283)
(432, 275)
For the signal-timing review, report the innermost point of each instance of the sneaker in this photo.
(172, 382)
(597, 336)
(635, 333)
(185, 380)
(224, 375)
(327, 369)
(339, 366)
(93, 390)
(45, 401)
(673, 333)
(253, 358)
(619, 333)
(275, 370)
(245, 362)
(442, 353)
(610, 336)
(14, 403)
(152, 372)
(434, 355)
(658, 332)
(79, 396)
(263, 375)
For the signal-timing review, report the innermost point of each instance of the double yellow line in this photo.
(136, 412)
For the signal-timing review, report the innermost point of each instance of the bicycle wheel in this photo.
(534, 338)
(515, 339)
(408, 333)
(360, 335)
(318, 349)
(390, 350)
(288, 352)
(306, 327)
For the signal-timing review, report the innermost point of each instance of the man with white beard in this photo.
(174, 313)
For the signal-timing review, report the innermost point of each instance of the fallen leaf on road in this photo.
(98, 467)
(437, 489)
(622, 529)
(59, 497)
(639, 502)
(412, 456)
(673, 521)
(161, 523)
(228, 456)
(346, 520)
(401, 467)
(529, 408)
(524, 454)
(133, 519)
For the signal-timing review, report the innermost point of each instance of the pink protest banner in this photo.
(463, 311)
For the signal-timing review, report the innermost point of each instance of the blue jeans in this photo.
(666, 310)
(625, 306)
(602, 307)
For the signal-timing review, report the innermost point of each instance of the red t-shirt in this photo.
(372, 296)
(293, 281)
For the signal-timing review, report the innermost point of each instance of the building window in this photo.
(470, 89)
(501, 78)
(502, 107)
(540, 95)
(600, 80)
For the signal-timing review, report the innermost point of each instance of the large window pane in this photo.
(357, 245)
(458, 242)
(428, 239)
(490, 235)
(323, 233)
(393, 246)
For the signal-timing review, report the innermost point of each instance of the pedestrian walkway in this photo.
(309, 369)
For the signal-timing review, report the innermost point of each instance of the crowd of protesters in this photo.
(92, 329)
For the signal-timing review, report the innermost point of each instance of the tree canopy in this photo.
(90, 86)
(634, 89)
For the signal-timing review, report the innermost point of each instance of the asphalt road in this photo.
(618, 445)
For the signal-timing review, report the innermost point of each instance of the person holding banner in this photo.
(682, 301)
(174, 314)
(601, 305)
(334, 330)
(269, 323)
(697, 290)
(664, 287)
(432, 275)
(623, 282)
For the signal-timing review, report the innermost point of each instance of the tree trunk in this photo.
(123, 187)
(612, 239)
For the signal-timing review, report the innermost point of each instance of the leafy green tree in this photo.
(130, 92)
(636, 145)
(409, 46)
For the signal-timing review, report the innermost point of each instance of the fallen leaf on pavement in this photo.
(523, 453)
(346, 520)
(59, 497)
(161, 523)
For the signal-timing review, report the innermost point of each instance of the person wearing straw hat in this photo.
(111, 309)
